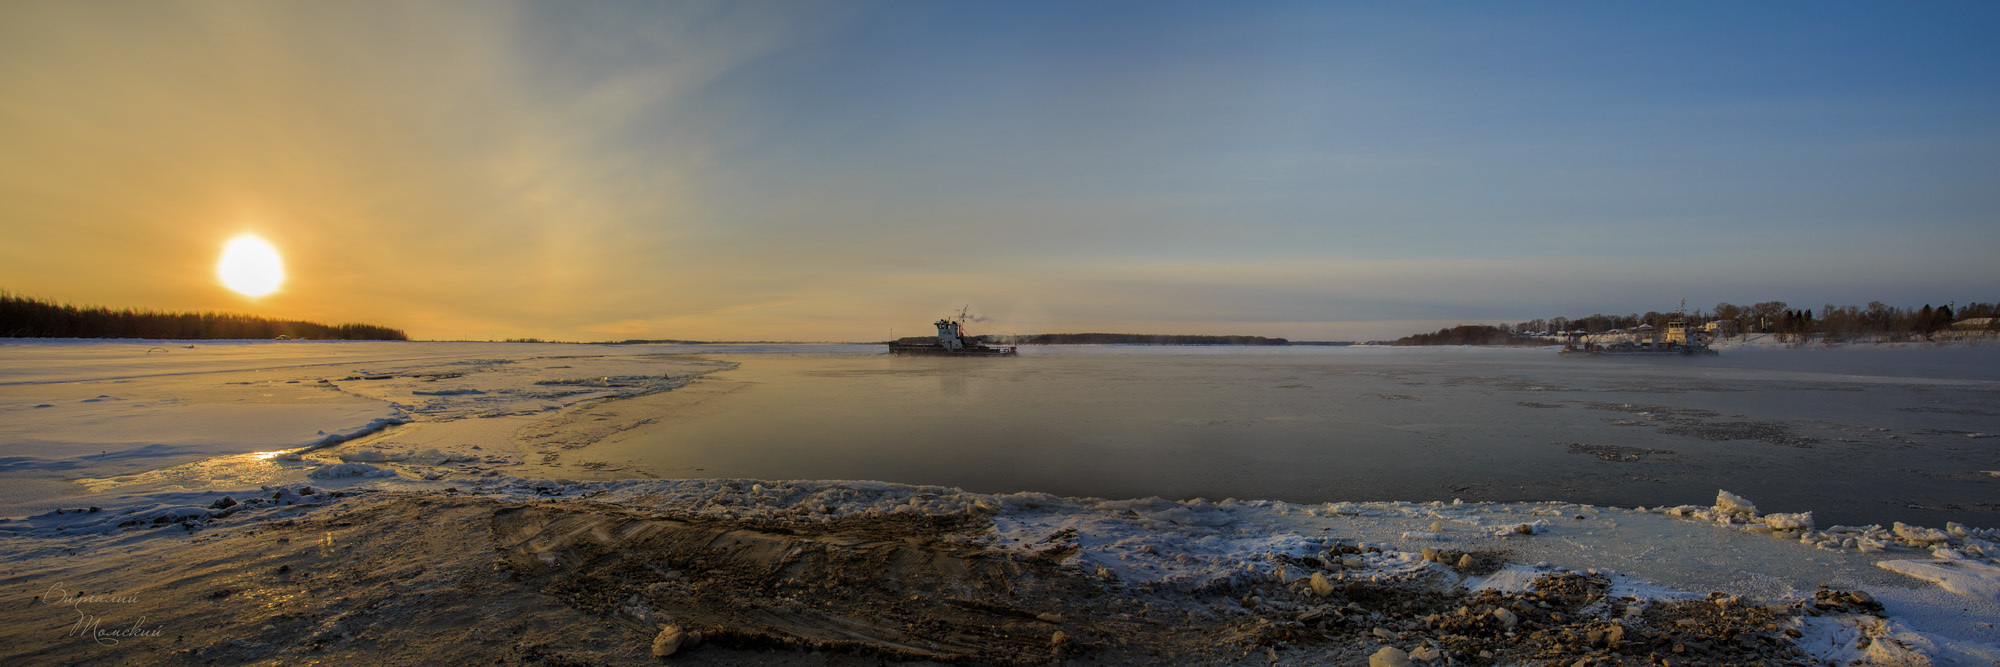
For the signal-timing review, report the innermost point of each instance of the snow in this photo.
(1201, 545)
(1220, 546)
(340, 470)
(1512, 579)
(101, 440)
(126, 410)
(1955, 573)
(370, 428)
(135, 514)
(1862, 640)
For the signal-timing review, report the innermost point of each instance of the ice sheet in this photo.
(100, 410)
(289, 425)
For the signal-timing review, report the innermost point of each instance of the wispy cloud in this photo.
(796, 170)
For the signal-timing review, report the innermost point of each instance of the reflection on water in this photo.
(1863, 442)
(225, 471)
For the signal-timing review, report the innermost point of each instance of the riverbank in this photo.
(513, 571)
(450, 533)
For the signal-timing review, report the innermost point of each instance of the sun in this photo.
(250, 266)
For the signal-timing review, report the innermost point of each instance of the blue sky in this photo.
(829, 171)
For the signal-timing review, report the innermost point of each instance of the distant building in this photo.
(1975, 324)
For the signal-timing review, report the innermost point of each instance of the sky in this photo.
(842, 171)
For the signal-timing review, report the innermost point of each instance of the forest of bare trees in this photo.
(22, 317)
(1471, 334)
(1117, 339)
(1876, 321)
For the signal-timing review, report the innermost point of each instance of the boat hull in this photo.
(942, 351)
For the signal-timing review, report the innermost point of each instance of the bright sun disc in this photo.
(250, 266)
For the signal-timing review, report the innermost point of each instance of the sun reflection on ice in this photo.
(229, 471)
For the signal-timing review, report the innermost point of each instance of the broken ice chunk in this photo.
(1730, 504)
(1799, 521)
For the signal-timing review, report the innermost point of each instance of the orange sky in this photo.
(799, 171)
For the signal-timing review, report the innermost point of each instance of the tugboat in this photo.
(1677, 342)
(951, 342)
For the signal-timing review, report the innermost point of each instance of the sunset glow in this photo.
(250, 266)
(828, 171)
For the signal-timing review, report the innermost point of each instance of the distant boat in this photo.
(951, 342)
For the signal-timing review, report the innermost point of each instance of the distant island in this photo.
(1473, 334)
(1131, 339)
(23, 317)
(1829, 324)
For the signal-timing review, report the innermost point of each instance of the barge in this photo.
(951, 342)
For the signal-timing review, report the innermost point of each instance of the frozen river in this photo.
(153, 433)
(1857, 436)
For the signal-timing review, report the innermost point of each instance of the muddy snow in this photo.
(403, 503)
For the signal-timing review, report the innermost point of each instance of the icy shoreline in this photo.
(82, 417)
(430, 456)
(1335, 581)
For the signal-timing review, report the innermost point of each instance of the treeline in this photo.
(1471, 334)
(1128, 339)
(22, 317)
(1833, 323)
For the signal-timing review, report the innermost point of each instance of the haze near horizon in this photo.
(833, 171)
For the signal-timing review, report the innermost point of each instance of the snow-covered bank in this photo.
(1106, 581)
(1972, 359)
(431, 519)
